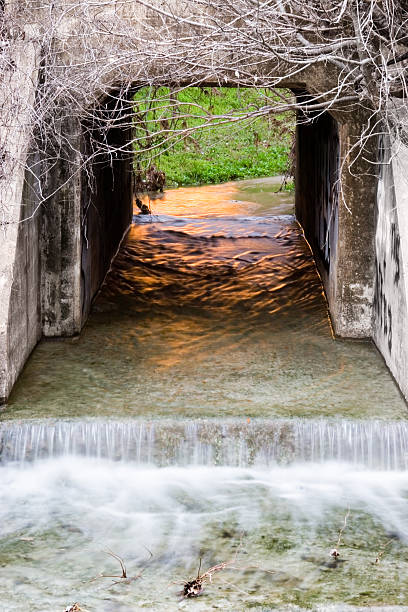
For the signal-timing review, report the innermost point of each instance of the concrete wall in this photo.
(19, 252)
(61, 234)
(390, 314)
(353, 287)
(24, 319)
(55, 252)
(84, 220)
(336, 208)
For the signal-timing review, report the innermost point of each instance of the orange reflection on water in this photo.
(243, 198)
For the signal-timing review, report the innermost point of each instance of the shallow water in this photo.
(59, 516)
(213, 308)
(169, 432)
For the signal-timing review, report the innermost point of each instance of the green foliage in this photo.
(215, 153)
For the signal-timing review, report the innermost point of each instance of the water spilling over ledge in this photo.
(373, 444)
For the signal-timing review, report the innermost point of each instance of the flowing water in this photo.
(206, 412)
(213, 308)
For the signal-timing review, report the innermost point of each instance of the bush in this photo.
(221, 153)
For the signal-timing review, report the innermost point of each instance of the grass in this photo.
(235, 150)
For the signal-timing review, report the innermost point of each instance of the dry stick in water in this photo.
(194, 587)
(381, 552)
(335, 551)
(123, 578)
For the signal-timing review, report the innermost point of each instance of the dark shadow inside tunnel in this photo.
(317, 186)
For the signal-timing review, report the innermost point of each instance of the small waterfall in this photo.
(373, 444)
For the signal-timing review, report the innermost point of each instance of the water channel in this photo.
(206, 412)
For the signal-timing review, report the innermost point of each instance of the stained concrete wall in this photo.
(336, 208)
(390, 313)
(56, 249)
(353, 288)
(83, 221)
(61, 234)
(24, 320)
(19, 252)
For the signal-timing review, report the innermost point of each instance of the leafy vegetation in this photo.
(167, 125)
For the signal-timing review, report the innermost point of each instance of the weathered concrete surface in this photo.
(390, 313)
(24, 324)
(336, 209)
(19, 269)
(82, 224)
(352, 291)
(61, 237)
(54, 250)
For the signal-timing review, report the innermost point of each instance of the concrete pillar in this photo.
(61, 235)
(352, 284)
(335, 204)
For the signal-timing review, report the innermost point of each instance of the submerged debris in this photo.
(194, 587)
(381, 552)
(335, 552)
(123, 578)
(152, 179)
(155, 179)
(144, 208)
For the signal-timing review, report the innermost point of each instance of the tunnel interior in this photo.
(107, 193)
(106, 199)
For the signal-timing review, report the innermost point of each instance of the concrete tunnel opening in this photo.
(81, 225)
(108, 197)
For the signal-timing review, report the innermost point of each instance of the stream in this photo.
(206, 413)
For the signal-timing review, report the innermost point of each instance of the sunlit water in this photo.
(169, 432)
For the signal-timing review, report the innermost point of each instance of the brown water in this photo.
(213, 307)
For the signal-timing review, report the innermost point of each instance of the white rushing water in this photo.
(150, 503)
(234, 442)
(58, 516)
(275, 491)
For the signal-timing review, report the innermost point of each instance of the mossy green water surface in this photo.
(274, 529)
